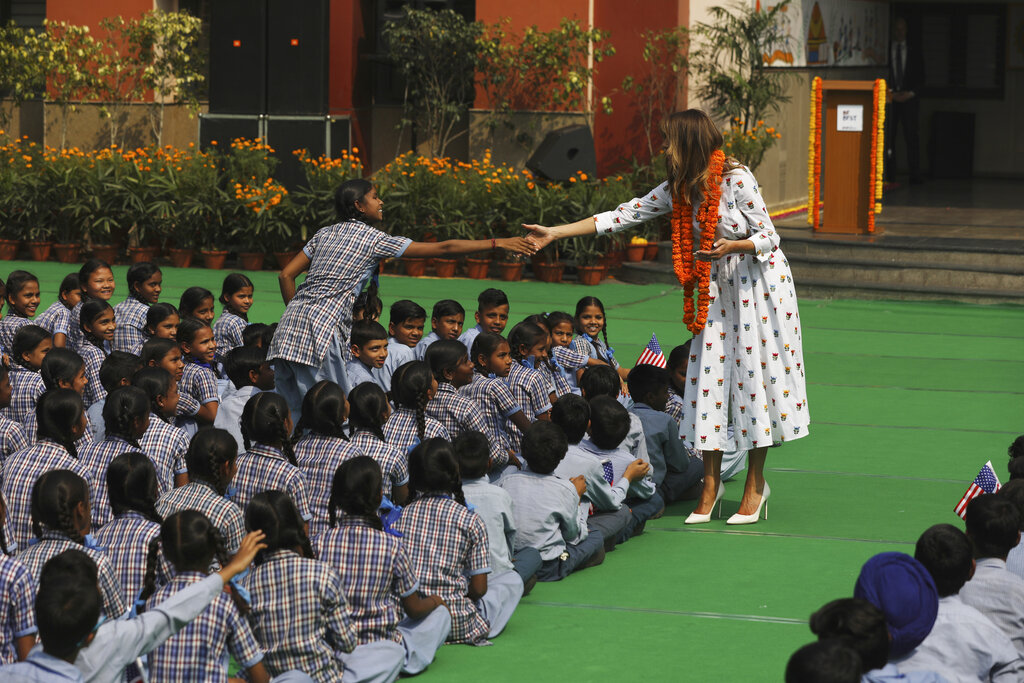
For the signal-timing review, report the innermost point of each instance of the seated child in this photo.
(116, 371)
(250, 373)
(1014, 492)
(603, 380)
(609, 422)
(12, 435)
(601, 506)
(903, 590)
(963, 644)
(993, 526)
(546, 507)
(406, 330)
(491, 315)
(369, 352)
(494, 506)
(678, 475)
(447, 544)
(57, 317)
(446, 321)
(22, 298)
(859, 626)
(568, 355)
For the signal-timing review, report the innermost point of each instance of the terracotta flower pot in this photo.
(550, 271)
(180, 258)
(67, 253)
(590, 275)
(40, 250)
(651, 252)
(477, 268)
(251, 260)
(8, 249)
(511, 271)
(285, 257)
(415, 267)
(607, 261)
(105, 252)
(214, 259)
(635, 252)
(445, 267)
(618, 256)
(142, 254)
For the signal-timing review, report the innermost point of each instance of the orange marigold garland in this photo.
(689, 272)
(877, 152)
(814, 162)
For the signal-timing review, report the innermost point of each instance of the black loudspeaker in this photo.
(564, 152)
(297, 40)
(951, 145)
(287, 136)
(238, 82)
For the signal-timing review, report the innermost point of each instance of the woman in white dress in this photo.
(746, 366)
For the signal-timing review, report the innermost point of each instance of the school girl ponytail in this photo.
(57, 413)
(124, 407)
(54, 497)
(264, 419)
(209, 449)
(410, 387)
(433, 469)
(274, 513)
(191, 542)
(367, 405)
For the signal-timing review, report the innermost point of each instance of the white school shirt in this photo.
(493, 505)
(398, 354)
(999, 595)
(358, 372)
(964, 645)
(421, 348)
(546, 511)
(229, 414)
(605, 497)
(620, 459)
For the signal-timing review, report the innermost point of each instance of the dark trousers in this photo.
(610, 525)
(904, 115)
(642, 510)
(526, 562)
(577, 556)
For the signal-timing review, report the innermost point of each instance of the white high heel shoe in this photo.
(694, 518)
(752, 519)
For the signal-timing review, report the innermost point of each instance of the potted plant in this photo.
(586, 253)
(263, 220)
(636, 249)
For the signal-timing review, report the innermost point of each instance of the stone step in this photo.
(905, 272)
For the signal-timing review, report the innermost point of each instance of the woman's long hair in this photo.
(690, 139)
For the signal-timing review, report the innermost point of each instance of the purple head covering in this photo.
(903, 589)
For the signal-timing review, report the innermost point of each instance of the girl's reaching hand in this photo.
(519, 245)
(251, 544)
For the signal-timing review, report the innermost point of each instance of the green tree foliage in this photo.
(657, 88)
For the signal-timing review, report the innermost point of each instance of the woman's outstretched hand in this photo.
(540, 235)
(722, 247)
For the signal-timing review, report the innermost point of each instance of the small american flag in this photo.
(985, 482)
(652, 355)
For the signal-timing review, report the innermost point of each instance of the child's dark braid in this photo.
(149, 579)
(65, 519)
(3, 541)
(68, 443)
(220, 551)
(286, 445)
(421, 414)
(604, 334)
(215, 471)
(457, 493)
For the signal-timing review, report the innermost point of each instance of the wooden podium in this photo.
(847, 190)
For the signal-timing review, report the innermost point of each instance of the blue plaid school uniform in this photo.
(199, 652)
(166, 446)
(227, 332)
(394, 464)
(318, 457)
(74, 333)
(299, 615)
(201, 496)
(493, 397)
(598, 350)
(26, 388)
(130, 331)
(12, 438)
(675, 406)
(342, 257)
(53, 543)
(376, 572)
(264, 468)
(54, 319)
(9, 325)
(126, 540)
(401, 431)
(20, 473)
(96, 457)
(528, 388)
(17, 602)
(93, 357)
(447, 543)
(187, 405)
(568, 360)
(458, 414)
(199, 382)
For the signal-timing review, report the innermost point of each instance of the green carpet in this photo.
(907, 401)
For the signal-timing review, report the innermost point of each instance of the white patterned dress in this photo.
(746, 367)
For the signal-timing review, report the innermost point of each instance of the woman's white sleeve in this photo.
(657, 202)
(751, 205)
